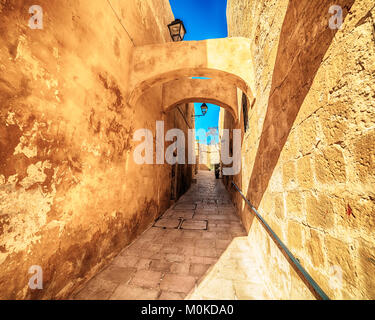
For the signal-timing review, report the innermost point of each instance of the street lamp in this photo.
(204, 109)
(177, 30)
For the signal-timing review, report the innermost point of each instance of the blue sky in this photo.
(203, 19)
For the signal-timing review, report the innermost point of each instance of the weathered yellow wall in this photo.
(180, 117)
(209, 155)
(71, 196)
(308, 156)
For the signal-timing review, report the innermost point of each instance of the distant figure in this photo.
(217, 171)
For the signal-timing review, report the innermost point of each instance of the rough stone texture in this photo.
(310, 141)
(66, 141)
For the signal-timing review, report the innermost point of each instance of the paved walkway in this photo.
(197, 250)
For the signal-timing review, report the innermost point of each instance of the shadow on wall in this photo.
(305, 38)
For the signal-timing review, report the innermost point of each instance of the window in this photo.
(245, 112)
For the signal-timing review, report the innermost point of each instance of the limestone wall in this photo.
(308, 155)
(71, 195)
(210, 153)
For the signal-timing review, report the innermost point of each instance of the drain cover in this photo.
(194, 224)
(167, 223)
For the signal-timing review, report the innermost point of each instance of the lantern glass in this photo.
(177, 30)
(182, 31)
(204, 108)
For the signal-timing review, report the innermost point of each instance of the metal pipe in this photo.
(183, 116)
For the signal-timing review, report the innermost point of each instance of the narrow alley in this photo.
(118, 118)
(197, 250)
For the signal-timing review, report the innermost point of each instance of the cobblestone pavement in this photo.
(197, 250)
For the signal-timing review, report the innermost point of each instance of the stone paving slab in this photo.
(185, 206)
(232, 278)
(183, 214)
(169, 263)
(167, 223)
(191, 224)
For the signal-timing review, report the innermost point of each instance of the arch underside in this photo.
(206, 100)
(186, 74)
(213, 91)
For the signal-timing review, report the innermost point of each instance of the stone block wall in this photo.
(308, 157)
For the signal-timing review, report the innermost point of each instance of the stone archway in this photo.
(228, 60)
(200, 90)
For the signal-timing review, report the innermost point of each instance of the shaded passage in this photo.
(198, 249)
